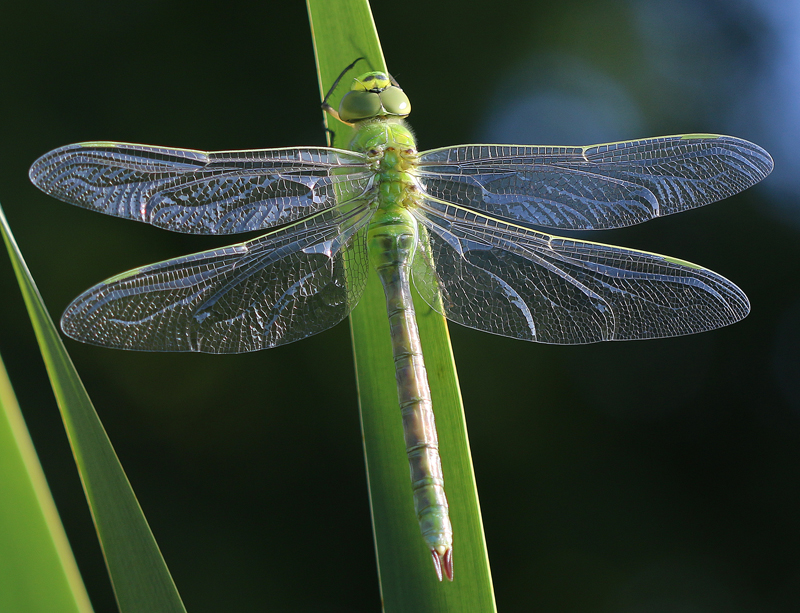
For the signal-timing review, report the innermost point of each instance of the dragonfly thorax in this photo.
(385, 134)
(391, 150)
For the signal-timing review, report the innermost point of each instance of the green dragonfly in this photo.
(461, 221)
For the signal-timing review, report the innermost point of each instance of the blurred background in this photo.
(657, 476)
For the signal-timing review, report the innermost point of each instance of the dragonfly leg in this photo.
(331, 137)
(325, 104)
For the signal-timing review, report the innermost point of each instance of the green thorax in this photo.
(392, 151)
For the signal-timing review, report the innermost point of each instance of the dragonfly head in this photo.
(373, 95)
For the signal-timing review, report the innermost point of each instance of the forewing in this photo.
(273, 290)
(597, 186)
(516, 282)
(198, 192)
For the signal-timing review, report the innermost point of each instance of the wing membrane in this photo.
(273, 290)
(597, 186)
(197, 192)
(516, 282)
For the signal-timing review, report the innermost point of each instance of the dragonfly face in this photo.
(373, 95)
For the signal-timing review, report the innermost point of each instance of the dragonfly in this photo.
(464, 223)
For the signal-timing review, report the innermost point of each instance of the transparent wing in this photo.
(197, 192)
(273, 290)
(594, 187)
(524, 284)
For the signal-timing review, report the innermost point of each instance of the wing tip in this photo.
(40, 171)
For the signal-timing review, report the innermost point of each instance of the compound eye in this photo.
(395, 101)
(356, 106)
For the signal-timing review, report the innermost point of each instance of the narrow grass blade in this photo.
(343, 30)
(141, 581)
(37, 569)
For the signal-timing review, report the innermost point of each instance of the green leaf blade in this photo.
(37, 568)
(139, 575)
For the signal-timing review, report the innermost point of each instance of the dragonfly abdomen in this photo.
(392, 239)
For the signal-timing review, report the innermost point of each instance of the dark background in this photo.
(655, 476)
